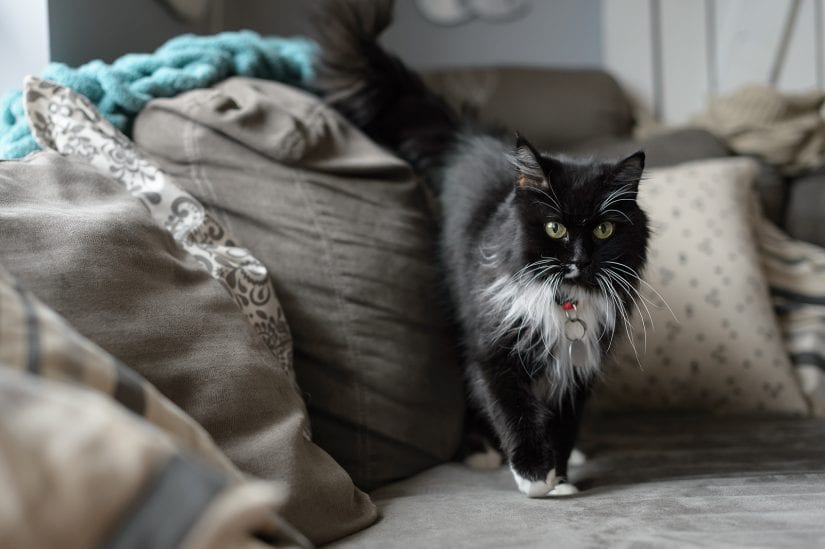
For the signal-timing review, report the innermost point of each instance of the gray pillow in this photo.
(344, 229)
(91, 251)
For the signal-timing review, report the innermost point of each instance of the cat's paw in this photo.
(536, 488)
(488, 459)
(563, 488)
(577, 458)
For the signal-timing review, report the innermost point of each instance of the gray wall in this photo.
(81, 30)
(554, 33)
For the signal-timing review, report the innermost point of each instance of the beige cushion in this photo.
(717, 345)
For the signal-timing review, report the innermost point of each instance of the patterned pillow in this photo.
(711, 340)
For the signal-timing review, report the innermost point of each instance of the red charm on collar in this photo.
(569, 305)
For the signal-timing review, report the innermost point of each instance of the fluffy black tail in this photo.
(374, 89)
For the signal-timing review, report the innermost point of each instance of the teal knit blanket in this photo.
(121, 89)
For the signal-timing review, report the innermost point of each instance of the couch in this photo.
(275, 229)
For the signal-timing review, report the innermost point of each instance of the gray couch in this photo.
(334, 217)
(648, 482)
(680, 481)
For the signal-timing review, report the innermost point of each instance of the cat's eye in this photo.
(604, 230)
(555, 230)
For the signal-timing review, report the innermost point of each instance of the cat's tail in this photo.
(374, 89)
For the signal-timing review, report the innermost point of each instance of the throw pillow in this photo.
(707, 338)
(344, 229)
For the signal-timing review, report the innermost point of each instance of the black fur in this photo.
(496, 198)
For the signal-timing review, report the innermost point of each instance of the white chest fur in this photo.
(530, 312)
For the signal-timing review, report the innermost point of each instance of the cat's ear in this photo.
(528, 169)
(629, 171)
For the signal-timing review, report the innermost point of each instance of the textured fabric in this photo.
(79, 471)
(796, 274)
(344, 230)
(551, 107)
(805, 219)
(35, 339)
(787, 130)
(711, 342)
(92, 252)
(65, 122)
(648, 482)
(120, 90)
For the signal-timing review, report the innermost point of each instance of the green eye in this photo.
(554, 229)
(604, 230)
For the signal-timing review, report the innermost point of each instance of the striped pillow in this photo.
(35, 339)
(796, 275)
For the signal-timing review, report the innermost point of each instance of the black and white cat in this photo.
(541, 254)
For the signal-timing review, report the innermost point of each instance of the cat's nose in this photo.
(582, 263)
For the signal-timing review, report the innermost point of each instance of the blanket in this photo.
(120, 90)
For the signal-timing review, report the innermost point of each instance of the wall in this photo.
(82, 30)
(676, 55)
(24, 40)
(554, 33)
(673, 54)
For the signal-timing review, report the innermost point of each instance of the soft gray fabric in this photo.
(666, 482)
(551, 107)
(806, 210)
(662, 150)
(344, 229)
(91, 251)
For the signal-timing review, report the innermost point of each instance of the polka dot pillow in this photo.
(705, 337)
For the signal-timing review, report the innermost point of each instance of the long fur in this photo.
(374, 89)
(506, 277)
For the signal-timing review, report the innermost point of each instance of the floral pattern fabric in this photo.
(68, 123)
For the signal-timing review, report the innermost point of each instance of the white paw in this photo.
(535, 488)
(577, 457)
(563, 489)
(488, 459)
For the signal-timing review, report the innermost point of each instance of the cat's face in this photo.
(581, 222)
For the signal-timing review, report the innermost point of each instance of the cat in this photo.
(541, 254)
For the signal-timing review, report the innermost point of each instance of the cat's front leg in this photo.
(520, 420)
(564, 428)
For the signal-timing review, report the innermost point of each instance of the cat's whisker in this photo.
(617, 195)
(621, 213)
(642, 298)
(628, 329)
(554, 202)
(651, 288)
(626, 287)
(608, 290)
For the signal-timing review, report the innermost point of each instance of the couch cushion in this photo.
(344, 229)
(649, 482)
